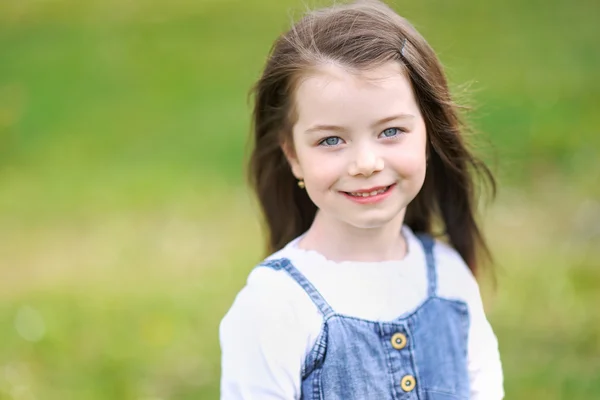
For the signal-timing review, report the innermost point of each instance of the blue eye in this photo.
(330, 141)
(391, 132)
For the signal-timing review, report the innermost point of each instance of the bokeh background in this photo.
(126, 228)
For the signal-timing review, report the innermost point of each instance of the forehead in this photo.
(331, 93)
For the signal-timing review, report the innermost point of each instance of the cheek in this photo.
(320, 170)
(322, 174)
(410, 164)
(412, 160)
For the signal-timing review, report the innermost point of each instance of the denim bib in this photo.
(421, 354)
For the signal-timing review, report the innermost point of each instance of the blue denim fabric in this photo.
(355, 358)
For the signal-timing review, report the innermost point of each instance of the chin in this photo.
(374, 221)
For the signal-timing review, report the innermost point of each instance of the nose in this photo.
(366, 162)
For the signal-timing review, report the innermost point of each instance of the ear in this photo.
(292, 159)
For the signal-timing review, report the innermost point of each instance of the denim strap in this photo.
(428, 243)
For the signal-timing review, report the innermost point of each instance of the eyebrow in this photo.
(336, 128)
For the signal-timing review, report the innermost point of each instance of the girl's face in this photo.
(359, 143)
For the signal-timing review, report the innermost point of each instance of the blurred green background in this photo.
(126, 228)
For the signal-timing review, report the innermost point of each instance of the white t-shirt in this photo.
(273, 323)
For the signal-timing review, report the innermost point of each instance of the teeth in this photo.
(367, 194)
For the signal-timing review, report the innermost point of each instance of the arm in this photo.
(262, 344)
(485, 368)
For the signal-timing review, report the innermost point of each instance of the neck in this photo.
(338, 241)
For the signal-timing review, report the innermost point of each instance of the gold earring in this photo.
(301, 184)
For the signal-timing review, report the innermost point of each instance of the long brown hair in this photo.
(362, 35)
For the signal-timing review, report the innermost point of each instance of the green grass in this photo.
(126, 231)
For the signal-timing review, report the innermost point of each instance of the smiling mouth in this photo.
(370, 193)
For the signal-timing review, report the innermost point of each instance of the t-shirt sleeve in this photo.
(485, 367)
(262, 343)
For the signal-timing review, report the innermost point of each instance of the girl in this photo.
(358, 155)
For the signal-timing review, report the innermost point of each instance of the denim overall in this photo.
(420, 355)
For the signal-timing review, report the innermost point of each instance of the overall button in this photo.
(399, 341)
(408, 383)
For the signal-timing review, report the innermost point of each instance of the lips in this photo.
(369, 192)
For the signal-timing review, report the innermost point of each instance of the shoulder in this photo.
(271, 300)
(455, 279)
(269, 293)
(269, 281)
